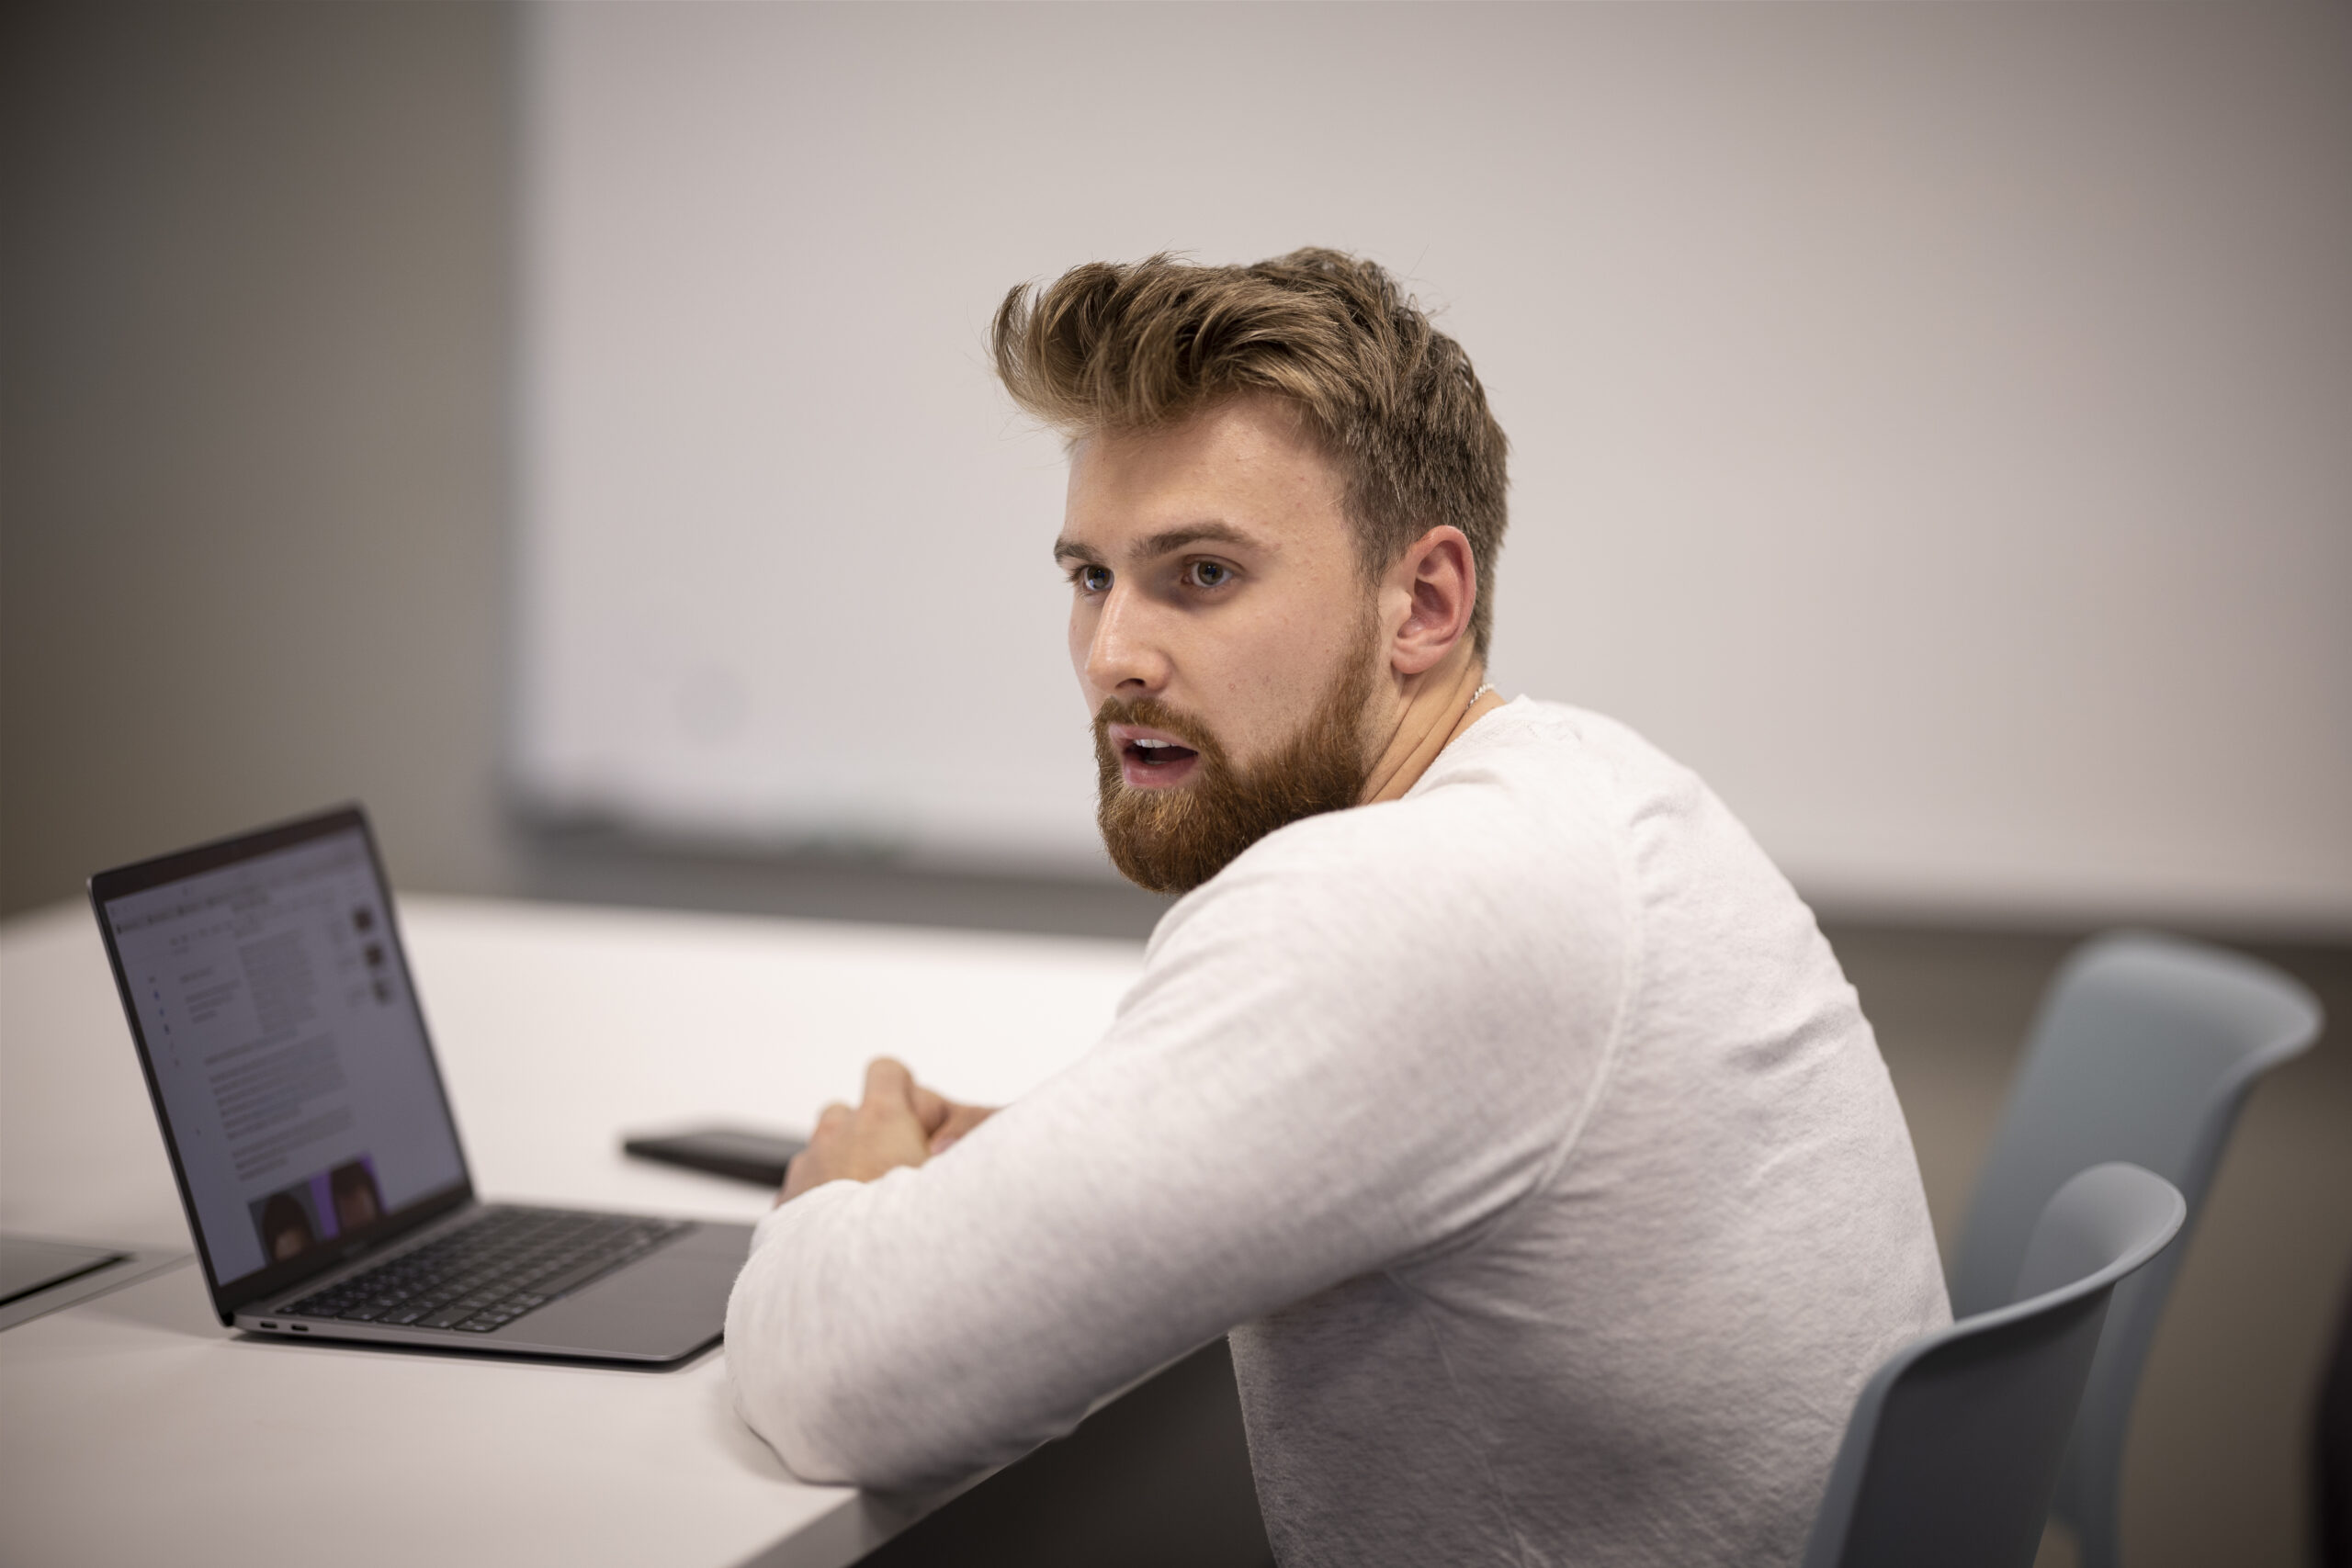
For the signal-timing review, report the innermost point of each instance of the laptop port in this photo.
(266, 1324)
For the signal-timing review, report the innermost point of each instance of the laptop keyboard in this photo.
(490, 1270)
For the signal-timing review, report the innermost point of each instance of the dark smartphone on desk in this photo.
(738, 1152)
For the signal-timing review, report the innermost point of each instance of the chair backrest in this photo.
(1953, 1450)
(2143, 1051)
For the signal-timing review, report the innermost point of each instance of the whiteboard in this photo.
(1932, 424)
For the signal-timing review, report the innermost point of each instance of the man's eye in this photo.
(1092, 579)
(1207, 574)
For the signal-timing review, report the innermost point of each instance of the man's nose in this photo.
(1124, 658)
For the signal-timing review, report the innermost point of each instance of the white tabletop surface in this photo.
(135, 1428)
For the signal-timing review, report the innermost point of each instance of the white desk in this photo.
(135, 1429)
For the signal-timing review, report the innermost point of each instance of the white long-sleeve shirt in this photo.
(1524, 1132)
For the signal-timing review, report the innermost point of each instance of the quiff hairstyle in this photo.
(1392, 401)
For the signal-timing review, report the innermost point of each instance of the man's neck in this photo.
(1437, 709)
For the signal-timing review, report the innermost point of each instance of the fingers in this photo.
(887, 1082)
(799, 1175)
(895, 1124)
(959, 1120)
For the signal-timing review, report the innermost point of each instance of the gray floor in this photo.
(2218, 1469)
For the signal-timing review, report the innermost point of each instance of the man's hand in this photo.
(958, 1121)
(898, 1123)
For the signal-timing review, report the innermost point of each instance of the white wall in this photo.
(1933, 422)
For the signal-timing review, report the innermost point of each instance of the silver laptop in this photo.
(311, 1136)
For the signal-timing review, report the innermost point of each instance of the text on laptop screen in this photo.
(287, 1049)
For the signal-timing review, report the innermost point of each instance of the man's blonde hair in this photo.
(1391, 400)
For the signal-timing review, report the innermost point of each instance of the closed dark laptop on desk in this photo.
(312, 1139)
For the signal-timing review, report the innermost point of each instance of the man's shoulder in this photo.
(1496, 908)
(1531, 779)
(1520, 820)
(1575, 751)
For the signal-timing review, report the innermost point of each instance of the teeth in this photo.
(1155, 745)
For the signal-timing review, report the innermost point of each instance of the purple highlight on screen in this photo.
(323, 1205)
(322, 1186)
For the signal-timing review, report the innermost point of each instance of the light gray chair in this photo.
(1953, 1449)
(2144, 1048)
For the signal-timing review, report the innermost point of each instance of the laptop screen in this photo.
(287, 1052)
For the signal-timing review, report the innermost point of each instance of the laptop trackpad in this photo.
(666, 1306)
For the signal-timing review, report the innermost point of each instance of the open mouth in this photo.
(1160, 753)
(1150, 760)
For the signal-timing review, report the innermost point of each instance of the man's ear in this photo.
(1437, 578)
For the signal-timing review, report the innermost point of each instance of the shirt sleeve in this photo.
(1344, 1052)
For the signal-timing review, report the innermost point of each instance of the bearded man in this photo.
(1487, 1083)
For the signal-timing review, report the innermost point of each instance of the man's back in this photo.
(1527, 1126)
(1684, 1221)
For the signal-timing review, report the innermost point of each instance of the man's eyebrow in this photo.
(1165, 542)
(1170, 539)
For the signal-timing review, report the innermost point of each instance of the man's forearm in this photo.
(877, 1340)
